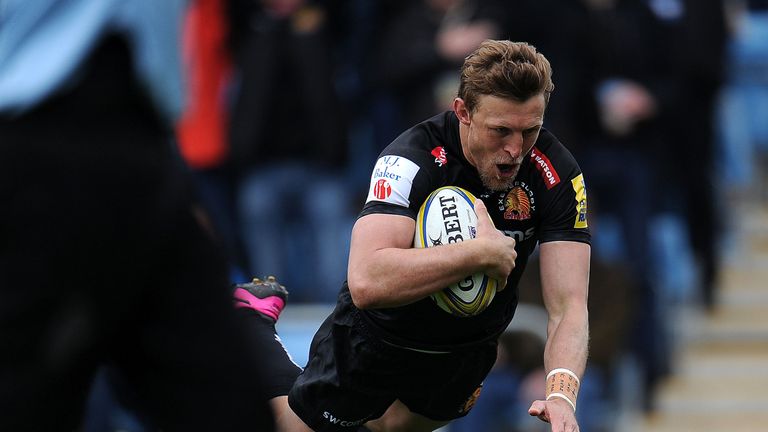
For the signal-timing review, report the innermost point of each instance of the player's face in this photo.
(498, 135)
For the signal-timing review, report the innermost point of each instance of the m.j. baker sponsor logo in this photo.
(382, 190)
(385, 173)
(545, 168)
(441, 158)
(392, 179)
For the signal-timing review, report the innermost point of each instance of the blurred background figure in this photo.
(289, 146)
(421, 46)
(617, 138)
(694, 34)
(638, 101)
(744, 101)
(203, 129)
(104, 259)
(513, 382)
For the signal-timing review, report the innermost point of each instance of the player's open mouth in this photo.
(506, 169)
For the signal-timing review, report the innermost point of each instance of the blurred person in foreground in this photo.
(388, 358)
(102, 257)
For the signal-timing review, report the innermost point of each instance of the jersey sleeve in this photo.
(564, 216)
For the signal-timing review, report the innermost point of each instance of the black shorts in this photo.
(281, 370)
(353, 376)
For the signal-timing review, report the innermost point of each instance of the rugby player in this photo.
(388, 358)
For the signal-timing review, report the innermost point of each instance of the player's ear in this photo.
(461, 110)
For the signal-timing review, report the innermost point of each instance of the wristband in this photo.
(562, 396)
(564, 384)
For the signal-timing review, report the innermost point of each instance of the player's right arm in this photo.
(386, 271)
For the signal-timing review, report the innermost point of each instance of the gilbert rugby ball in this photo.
(448, 216)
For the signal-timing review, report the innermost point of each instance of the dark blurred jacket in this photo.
(410, 65)
(285, 107)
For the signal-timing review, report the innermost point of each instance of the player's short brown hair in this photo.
(513, 70)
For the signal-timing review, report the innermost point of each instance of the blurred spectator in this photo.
(102, 257)
(691, 37)
(617, 135)
(421, 49)
(289, 144)
(357, 31)
(744, 107)
(644, 79)
(514, 381)
(203, 127)
(556, 28)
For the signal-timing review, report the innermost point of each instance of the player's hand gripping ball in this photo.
(448, 216)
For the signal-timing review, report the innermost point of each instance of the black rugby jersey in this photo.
(546, 203)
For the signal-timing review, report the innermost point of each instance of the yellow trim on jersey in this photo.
(581, 201)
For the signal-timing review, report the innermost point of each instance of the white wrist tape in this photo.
(565, 371)
(564, 384)
(562, 396)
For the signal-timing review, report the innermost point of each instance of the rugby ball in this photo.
(448, 216)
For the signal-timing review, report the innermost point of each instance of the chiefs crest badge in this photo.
(517, 205)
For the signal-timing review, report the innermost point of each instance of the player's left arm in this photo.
(564, 281)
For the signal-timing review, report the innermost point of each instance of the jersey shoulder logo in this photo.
(392, 180)
(581, 201)
(545, 168)
(441, 158)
